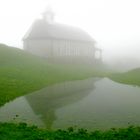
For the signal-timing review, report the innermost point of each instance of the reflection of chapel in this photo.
(58, 42)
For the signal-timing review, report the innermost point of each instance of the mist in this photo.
(69, 67)
(113, 24)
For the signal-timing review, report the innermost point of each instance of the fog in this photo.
(114, 24)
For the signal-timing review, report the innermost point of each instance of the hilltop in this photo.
(22, 73)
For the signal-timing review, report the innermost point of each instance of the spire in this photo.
(48, 14)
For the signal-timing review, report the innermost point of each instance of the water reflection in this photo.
(39, 107)
(90, 104)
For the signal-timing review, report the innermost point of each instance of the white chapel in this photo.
(60, 43)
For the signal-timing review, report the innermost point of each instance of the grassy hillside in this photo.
(22, 73)
(131, 77)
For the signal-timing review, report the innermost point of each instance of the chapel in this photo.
(60, 43)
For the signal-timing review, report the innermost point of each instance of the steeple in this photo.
(48, 15)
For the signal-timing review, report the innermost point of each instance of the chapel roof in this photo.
(43, 30)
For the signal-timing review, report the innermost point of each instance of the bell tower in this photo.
(48, 15)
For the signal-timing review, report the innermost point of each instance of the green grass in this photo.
(21, 131)
(131, 77)
(22, 73)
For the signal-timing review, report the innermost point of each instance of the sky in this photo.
(114, 24)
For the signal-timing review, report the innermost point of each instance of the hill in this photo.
(131, 77)
(22, 73)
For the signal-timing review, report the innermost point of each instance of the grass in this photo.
(22, 73)
(131, 77)
(21, 131)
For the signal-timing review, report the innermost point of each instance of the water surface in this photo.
(92, 104)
